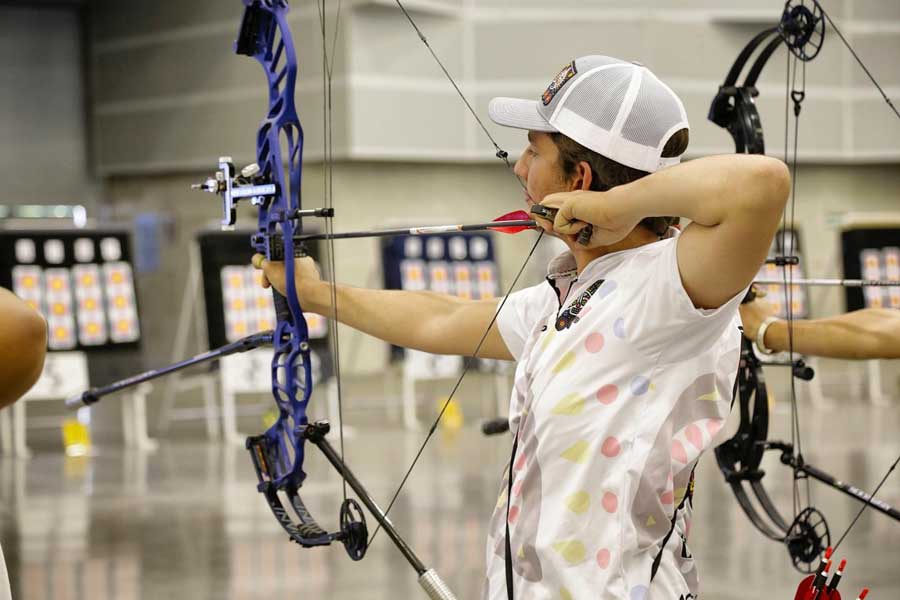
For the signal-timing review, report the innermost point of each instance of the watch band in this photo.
(761, 335)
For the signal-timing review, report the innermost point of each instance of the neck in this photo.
(638, 237)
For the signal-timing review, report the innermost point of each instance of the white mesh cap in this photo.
(616, 108)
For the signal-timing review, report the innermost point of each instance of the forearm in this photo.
(23, 343)
(864, 334)
(709, 191)
(426, 321)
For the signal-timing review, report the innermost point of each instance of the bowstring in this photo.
(328, 185)
(787, 248)
(501, 153)
(470, 360)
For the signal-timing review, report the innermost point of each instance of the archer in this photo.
(626, 356)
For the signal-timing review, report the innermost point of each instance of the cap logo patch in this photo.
(567, 73)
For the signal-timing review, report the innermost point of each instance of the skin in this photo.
(870, 333)
(23, 344)
(718, 254)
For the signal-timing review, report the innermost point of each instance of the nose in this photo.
(521, 168)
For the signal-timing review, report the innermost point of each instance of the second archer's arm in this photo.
(870, 333)
(23, 343)
(426, 321)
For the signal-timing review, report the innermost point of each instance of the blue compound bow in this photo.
(273, 184)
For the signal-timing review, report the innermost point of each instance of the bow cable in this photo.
(504, 156)
(328, 185)
(797, 95)
(501, 153)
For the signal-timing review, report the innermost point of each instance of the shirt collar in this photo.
(564, 266)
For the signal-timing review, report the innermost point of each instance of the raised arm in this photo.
(23, 343)
(426, 321)
(734, 203)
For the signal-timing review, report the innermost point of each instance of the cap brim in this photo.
(521, 114)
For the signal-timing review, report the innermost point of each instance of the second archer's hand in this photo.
(611, 220)
(305, 273)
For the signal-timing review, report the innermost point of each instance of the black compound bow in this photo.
(802, 31)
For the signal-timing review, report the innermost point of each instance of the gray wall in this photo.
(164, 69)
(43, 133)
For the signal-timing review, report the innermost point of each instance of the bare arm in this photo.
(869, 333)
(426, 321)
(734, 202)
(23, 343)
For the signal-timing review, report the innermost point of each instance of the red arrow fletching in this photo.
(518, 215)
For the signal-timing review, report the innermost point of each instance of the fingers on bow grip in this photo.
(546, 212)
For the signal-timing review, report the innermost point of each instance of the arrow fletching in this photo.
(518, 215)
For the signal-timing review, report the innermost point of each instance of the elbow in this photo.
(772, 182)
(33, 341)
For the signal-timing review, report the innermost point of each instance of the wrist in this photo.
(312, 295)
(760, 337)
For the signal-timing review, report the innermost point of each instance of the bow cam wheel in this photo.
(354, 533)
(802, 28)
(807, 538)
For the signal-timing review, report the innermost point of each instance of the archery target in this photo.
(89, 303)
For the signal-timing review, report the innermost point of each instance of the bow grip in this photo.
(282, 309)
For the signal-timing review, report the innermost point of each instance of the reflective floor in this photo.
(186, 522)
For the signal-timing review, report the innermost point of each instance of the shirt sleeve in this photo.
(521, 313)
(665, 317)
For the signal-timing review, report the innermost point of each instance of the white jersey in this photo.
(621, 384)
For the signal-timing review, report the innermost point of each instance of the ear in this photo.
(583, 177)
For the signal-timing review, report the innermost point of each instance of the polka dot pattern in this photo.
(610, 447)
(638, 592)
(679, 453)
(517, 488)
(520, 462)
(639, 385)
(694, 436)
(594, 343)
(608, 394)
(713, 426)
(608, 287)
(619, 328)
(572, 551)
(571, 404)
(564, 363)
(603, 558)
(610, 502)
(513, 515)
(548, 337)
(577, 452)
(579, 502)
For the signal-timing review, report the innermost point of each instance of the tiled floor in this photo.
(186, 522)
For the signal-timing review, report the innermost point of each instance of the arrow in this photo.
(513, 222)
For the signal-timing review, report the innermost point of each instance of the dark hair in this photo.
(607, 174)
